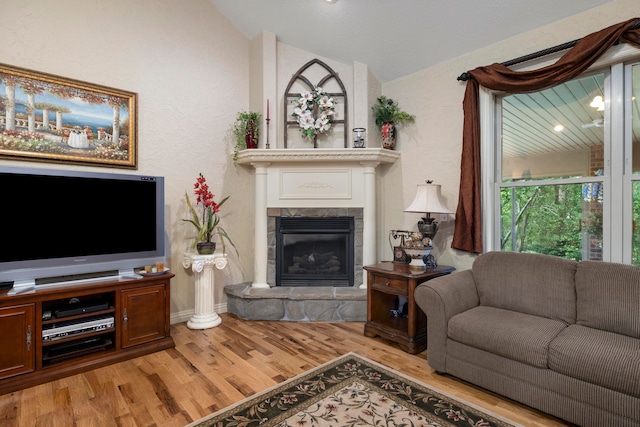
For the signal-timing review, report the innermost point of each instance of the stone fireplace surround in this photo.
(309, 182)
(273, 213)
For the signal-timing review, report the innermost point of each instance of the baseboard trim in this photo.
(185, 315)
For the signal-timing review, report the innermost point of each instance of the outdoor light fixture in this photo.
(597, 103)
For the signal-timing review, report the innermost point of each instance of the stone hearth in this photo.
(313, 304)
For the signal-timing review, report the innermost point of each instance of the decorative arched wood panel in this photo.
(299, 77)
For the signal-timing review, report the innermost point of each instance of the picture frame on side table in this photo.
(48, 118)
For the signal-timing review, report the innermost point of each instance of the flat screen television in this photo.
(65, 223)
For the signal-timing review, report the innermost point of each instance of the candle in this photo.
(267, 109)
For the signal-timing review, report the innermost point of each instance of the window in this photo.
(633, 135)
(561, 166)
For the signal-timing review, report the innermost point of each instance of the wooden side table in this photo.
(387, 281)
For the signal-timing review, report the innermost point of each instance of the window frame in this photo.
(616, 65)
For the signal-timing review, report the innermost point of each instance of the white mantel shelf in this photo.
(317, 155)
(314, 178)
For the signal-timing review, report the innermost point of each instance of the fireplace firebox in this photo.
(314, 251)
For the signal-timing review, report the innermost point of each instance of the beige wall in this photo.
(191, 69)
(431, 148)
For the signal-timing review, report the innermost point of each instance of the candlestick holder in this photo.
(267, 145)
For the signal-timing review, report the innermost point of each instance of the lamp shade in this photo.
(428, 200)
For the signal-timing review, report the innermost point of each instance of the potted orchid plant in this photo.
(205, 218)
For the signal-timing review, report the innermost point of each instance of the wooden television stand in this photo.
(131, 317)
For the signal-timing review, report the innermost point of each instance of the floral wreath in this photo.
(303, 112)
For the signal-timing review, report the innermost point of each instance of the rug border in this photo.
(367, 360)
(439, 391)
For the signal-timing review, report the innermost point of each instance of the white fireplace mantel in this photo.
(314, 178)
(318, 155)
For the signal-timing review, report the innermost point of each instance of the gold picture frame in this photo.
(56, 119)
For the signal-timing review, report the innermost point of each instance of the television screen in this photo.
(69, 222)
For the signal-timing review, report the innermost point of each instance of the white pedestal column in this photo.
(260, 247)
(369, 216)
(202, 266)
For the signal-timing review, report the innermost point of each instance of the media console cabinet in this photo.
(87, 325)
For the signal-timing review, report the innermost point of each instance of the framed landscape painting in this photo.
(55, 119)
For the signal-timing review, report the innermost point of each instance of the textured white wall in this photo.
(191, 69)
(189, 66)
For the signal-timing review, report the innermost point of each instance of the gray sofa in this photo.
(557, 335)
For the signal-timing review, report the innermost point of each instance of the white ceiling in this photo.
(395, 37)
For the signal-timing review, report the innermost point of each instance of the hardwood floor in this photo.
(211, 369)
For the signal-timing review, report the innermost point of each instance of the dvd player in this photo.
(73, 310)
(69, 328)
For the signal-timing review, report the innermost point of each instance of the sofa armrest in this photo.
(441, 299)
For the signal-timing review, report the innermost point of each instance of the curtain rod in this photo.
(548, 51)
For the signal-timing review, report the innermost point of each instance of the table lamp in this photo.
(428, 201)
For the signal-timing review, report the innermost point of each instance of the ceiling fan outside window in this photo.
(597, 123)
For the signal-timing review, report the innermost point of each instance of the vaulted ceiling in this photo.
(396, 37)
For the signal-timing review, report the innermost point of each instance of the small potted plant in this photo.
(387, 116)
(246, 130)
(207, 222)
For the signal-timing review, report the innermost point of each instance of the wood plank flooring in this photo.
(211, 369)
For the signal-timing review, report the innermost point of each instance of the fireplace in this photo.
(322, 182)
(314, 251)
(348, 224)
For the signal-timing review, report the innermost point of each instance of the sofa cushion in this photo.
(608, 297)
(541, 285)
(510, 334)
(598, 357)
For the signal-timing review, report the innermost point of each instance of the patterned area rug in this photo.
(347, 392)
